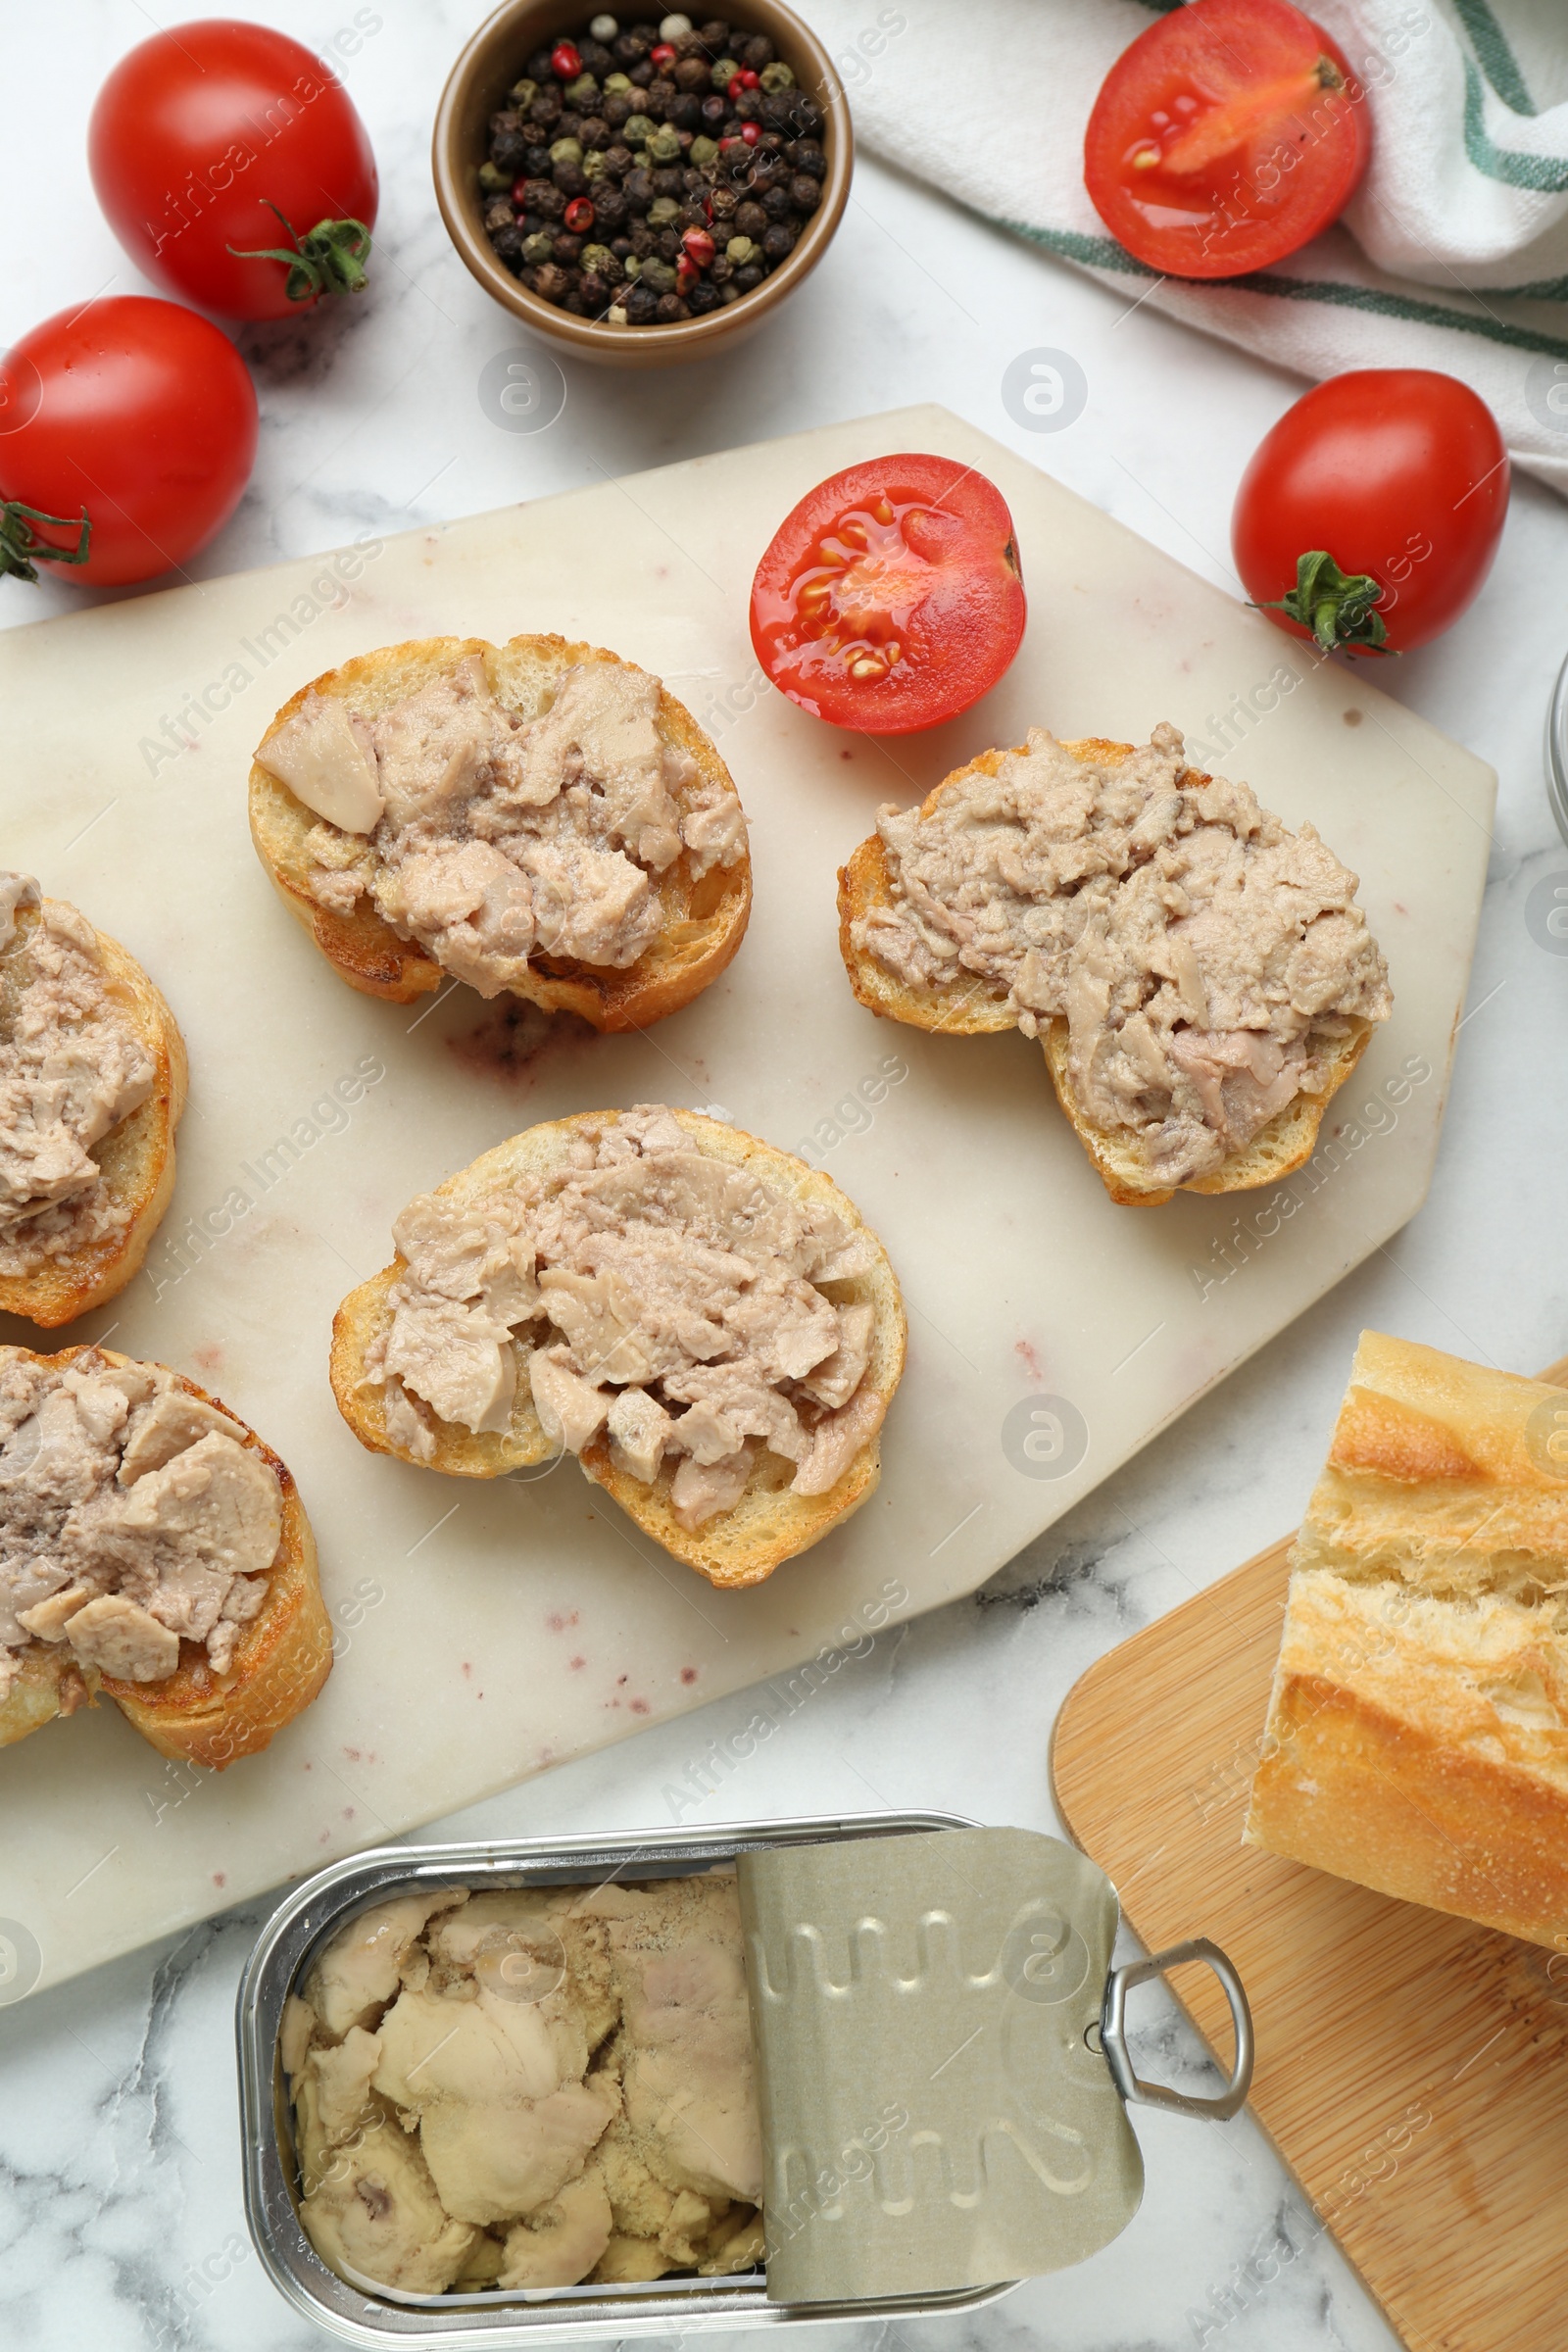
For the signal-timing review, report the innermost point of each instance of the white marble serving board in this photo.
(490, 1631)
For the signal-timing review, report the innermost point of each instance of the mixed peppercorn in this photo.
(653, 173)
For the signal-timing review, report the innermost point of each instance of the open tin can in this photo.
(858, 1932)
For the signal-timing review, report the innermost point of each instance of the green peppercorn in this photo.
(658, 275)
(703, 151)
(593, 164)
(741, 249)
(633, 266)
(723, 74)
(636, 129)
(662, 212)
(540, 247)
(522, 94)
(492, 179)
(664, 145)
(617, 84)
(776, 76)
(600, 261)
(566, 151)
(582, 92)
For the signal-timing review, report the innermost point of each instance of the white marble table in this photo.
(120, 2208)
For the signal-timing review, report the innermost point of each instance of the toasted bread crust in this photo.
(705, 917)
(1288, 1140)
(281, 1659)
(136, 1159)
(1415, 1740)
(769, 1525)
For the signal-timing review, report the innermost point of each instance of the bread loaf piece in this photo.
(1417, 1736)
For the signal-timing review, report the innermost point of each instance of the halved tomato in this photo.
(891, 598)
(1224, 137)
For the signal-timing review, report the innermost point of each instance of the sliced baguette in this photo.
(976, 1008)
(705, 917)
(769, 1525)
(281, 1662)
(1417, 1735)
(136, 1159)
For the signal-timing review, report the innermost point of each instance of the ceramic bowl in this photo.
(476, 89)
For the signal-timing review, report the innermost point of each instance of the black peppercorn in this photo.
(692, 216)
(671, 307)
(594, 133)
(715, 36)
(569, 126)
(639, 187)
(808, 115)
(609, 205)
(751, 275)
(748, 106)
(758, 52)
(724, 201)
(691, 73)
(596, 59)
(618, 161)
(642, 74)
(508, 242)
(662, 91)
(549, 280)
(536, 163)
(546, 111)
(640, 302)
(776, 203)
(644, 240)
(807, 157)
(568, 250)
(668, 180)
(575, 302)
(685, 112)
(538, 66)
(702, 299)
(531, 224)
(570, 178)
(720, 268)
(805, 194)
(621, 248)
(750, 219)
(714, 112)
(627, 48)
(498, 214)
(544, 197)
(617, 108)
(595, 292)
(779, 242)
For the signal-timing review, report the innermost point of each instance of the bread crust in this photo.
(136, 1159)
(281, 1659)
(1285, 1144)
(705, 916)
(1417, 1738)
(769, 1525)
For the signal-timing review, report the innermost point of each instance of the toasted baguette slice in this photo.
(281, 1662)
(136, 1159)
(974, 1009)
(769, 1525)
(705, 917)
(1417, 1736)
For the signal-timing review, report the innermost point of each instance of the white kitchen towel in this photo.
(1453, 254)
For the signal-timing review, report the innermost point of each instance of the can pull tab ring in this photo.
(1113, 2037)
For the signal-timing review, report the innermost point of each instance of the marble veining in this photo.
(119, 2212)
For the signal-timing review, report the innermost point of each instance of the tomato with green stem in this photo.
(128, 434)
(232, 167)
(1369, 516)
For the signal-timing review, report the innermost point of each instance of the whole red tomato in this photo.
(1226, 136)
(128, 434)
(234, 168)
(890, 598)
(1369, 516)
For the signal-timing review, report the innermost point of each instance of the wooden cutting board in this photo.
(1411, 2068)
